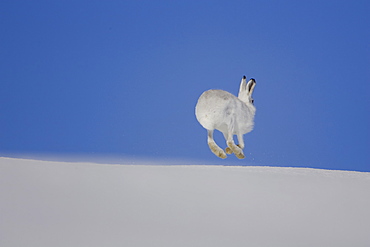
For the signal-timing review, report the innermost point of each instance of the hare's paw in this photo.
(228, 150)
(232, 148)
(217, 150)
(240, 155)
(221, 154)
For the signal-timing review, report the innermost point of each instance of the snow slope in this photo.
(47, 203)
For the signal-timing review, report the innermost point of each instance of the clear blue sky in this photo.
(123, 77)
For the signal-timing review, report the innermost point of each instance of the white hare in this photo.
(220, 110)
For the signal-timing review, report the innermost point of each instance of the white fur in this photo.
(220, 110)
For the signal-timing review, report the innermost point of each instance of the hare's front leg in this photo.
(240, 145)
(236, 149)
(241, 141)
(214, 147)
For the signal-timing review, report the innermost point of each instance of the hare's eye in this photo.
(252, 101)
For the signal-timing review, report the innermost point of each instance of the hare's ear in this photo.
(243, 85)
(250, 86)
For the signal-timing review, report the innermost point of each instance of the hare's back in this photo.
(216, 96)
(211, 106)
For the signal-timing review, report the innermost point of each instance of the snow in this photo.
(50, 203)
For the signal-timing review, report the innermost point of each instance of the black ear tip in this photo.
(244, 77)
(253, 79)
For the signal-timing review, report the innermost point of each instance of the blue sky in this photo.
(122, 78)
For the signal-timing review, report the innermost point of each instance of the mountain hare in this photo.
(220, 110)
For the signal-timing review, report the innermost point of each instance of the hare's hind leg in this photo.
(214, 147)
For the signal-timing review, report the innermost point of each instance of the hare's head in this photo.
(246, 90)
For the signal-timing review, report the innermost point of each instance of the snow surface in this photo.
(48, 203)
